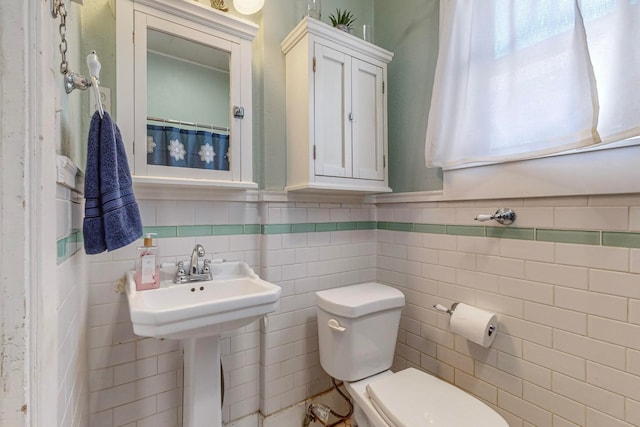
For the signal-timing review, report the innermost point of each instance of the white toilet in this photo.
(358, 328)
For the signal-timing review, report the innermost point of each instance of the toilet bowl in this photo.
(357, 331)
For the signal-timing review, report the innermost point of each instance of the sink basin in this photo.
(234, 298)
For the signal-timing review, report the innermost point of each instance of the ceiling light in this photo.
(248, 7)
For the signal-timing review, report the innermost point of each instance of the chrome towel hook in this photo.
(504, 216)
(73, 80)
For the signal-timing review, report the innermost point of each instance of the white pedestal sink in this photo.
(202, 397)
(198, 313)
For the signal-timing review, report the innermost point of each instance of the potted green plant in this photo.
(342, 20)
(219, 4)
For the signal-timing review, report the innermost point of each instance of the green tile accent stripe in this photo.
(397, 226)
(320, 227)
(194, 230)
(61, 248)
(430, 228)
(228, 230)
(367, 225)
(466, 230)
(162, 231)
(569, 236)
(347, 226)
(67, 246)
(303, 228)
(326, 226)
(621, 240)
(276, 228)
(252, 229)
(511, 233)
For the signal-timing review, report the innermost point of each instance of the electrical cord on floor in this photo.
(320, 412)
(335, 414)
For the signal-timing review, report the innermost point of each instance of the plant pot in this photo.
(343, 28)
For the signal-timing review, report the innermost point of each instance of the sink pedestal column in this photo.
(202, 399)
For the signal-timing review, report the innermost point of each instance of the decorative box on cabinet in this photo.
(336, 103)
(203, 95)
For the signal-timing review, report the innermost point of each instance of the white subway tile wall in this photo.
(138, 380)
(72, 295)
(303, 263)
(567, 349)
(567, 352)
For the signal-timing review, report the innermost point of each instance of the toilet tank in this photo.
(357, 329)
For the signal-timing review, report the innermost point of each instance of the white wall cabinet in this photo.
(205, 98)
(336, 105)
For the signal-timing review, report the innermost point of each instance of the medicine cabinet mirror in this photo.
(184, 84)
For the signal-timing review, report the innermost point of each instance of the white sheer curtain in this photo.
(517, 79)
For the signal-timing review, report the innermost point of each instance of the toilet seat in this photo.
(412, 398)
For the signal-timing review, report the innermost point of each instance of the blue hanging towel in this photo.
(111, 214)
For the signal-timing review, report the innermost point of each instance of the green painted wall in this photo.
(409, 29)
(99, 34)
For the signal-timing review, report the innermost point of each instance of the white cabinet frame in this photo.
(336, 105)
(206, 25)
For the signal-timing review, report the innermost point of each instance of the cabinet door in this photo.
(368, 121)
(332, 94)
(184, 92)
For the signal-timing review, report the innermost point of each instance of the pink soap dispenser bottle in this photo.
(147, 271)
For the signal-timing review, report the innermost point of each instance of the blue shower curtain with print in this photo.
(173, 146)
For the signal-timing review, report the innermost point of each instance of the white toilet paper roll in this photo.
(474, 324)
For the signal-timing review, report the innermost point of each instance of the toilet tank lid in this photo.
(359, 300)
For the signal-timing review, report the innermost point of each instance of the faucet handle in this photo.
(206, 266)
(181, 274)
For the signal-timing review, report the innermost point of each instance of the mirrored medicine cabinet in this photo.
(184, 94)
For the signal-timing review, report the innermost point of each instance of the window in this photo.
(523, 79)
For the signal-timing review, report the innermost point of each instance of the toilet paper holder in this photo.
(444, 309)
(450, 311)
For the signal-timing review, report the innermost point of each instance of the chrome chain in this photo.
(58, 8)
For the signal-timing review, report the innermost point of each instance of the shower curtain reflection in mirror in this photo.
(190, 148)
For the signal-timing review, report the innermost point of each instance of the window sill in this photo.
(594, 172)
(604, 171)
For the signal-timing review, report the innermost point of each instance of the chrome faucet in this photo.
(198, 252)
(194, 275)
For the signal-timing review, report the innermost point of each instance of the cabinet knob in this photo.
(351, 116)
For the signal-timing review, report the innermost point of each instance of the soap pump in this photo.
(147, 271)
